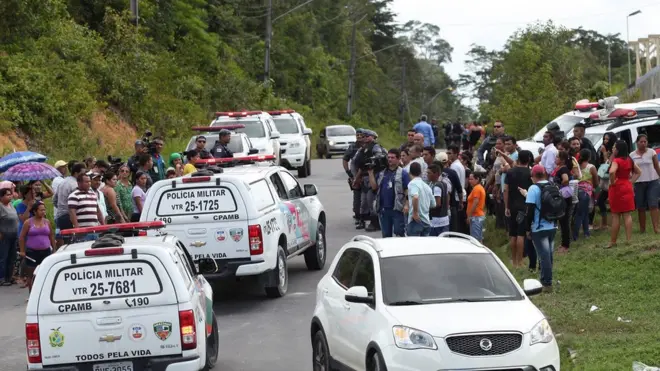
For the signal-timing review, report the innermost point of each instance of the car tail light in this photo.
(256, 239)
(32, 342)
(188, 329)
(196, 179)
(105, 251)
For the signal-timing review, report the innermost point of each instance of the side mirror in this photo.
(253, 151)
(359, 294)
(307, 131)
(532, 287)
(310, 190)
(207, 266)
(275, 135)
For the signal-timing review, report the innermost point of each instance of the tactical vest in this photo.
(399, 195)
(442, 210)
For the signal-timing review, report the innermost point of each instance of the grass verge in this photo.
(622, 282)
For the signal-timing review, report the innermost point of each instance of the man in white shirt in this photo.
(549, 155)
(457, 166)
(415, 152)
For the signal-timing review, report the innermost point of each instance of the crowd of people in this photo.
(421, 191)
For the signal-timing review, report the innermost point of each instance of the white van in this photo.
(259, 127)
(250, 219)
(121, 304)
(296, 147)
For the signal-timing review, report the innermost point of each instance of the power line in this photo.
(292, 9)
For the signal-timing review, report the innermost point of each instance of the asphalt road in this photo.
(256, 333)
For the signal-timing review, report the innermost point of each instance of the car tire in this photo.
(320, 352)
(303, 171)
(315, 255)
(377, 363)
(309, 167)
(212, 342)
(280, 276)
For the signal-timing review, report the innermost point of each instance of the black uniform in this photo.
(348, 156)
(220, 150)
(204, 154)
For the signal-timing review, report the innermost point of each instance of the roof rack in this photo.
(471, 239)
(368, 240)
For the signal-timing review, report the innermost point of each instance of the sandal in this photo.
(611, 245)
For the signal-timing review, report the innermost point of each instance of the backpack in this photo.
(553, 205)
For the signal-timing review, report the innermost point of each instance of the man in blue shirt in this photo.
(542, 231)
(390, 187)
(425, 129)
(421, 201)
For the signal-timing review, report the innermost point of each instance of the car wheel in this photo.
(302, 171)
(309, 167)
(315, 255)
(280, 276)
(320, 353)
(377, 363)
(212, 345)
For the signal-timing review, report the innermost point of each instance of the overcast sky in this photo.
(490, 23)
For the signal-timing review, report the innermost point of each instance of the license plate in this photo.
(117, 366)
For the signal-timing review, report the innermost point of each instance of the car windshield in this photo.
(340, 131)
(565, 122)
(253, 128)
(286, 125)
(235, 144)
(441, 278)
(596, 139)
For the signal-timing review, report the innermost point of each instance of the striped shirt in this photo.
(85, 204)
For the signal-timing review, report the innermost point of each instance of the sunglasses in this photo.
(201, 141)
(497, 126)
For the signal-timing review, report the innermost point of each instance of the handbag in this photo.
(604, 170)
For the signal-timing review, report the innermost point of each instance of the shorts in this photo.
(647, 194)
(63, 222)
(516, 229)
(477, 227)
(37, 255)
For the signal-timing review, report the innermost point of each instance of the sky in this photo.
(491, 22)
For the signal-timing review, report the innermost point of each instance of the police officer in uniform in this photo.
(369, 149)
(220, 149)
(351, 171)
(200, 147)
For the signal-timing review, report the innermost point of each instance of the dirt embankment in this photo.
(105, 131)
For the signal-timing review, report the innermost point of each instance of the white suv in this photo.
(249, 219)
(295, 144)
(121, 304)
(427, 304)
(259, 127)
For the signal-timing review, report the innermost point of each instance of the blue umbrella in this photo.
(30, 171)
(19, 158)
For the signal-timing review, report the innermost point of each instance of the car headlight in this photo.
(410, 338)
(331, 143)
(541, 333)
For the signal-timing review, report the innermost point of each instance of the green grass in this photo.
(622, 282)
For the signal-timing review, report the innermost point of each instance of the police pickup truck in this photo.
(121, 303)
(250, 219)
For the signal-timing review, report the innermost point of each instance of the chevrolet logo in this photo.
(197, 244)
(110, 338)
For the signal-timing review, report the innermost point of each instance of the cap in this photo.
(359, 131)
(170, 169)
(59, 163)
(370, 133)
(139, 143)
(442, 157)
(93, 174)
(538, 169)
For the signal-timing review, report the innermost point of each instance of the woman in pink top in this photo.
(647, 186)
(36, 240)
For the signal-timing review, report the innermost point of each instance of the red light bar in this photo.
(114, 227)
(623, 113)
(281, 112)
(237, 114)
(218, 127)
(585, 105)
(196, 179)
(105, 251)
(255, 158)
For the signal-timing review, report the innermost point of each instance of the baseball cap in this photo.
(538, 170)
(59, 163)
(93, 174)
(370, 133)
(170, 169)
(139, 143)
(442, 157)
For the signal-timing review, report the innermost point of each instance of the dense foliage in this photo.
(63, 60)
(541, 72)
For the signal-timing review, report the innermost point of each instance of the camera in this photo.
(376, 162)
(146, 139)
(115, 163)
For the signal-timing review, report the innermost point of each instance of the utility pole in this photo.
(609, 62)
(135, 12)
(269, 33)
(351, 71)
(402, 108)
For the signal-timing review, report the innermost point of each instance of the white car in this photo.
(249, 219)
(239, 143)
(121, 304)
(259, 127)
(627, 130)
(420, 303)
(295, 144)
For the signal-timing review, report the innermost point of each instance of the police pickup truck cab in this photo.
(121, 303)
(250, 219)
